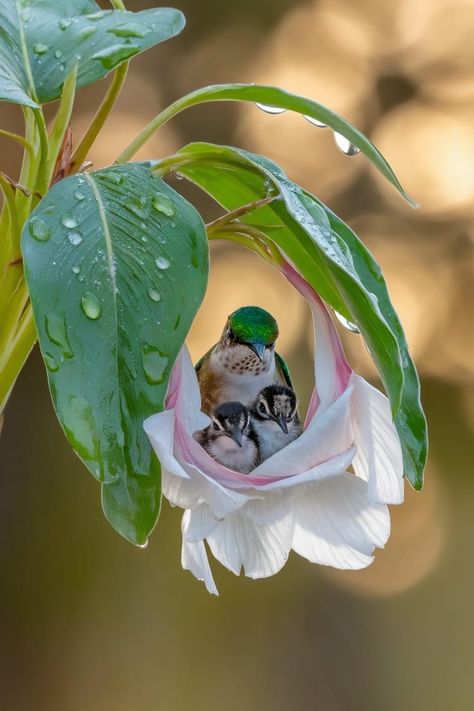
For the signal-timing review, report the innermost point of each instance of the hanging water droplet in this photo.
(39, 229)
(154, 365)
(39, 48)
(75, 238)
(346, 323)
(56, 330)
(90, 304)
(78, 195)
(64, 24)
(69, 222)
(163, 204)
(154, 294)
(314, 122)
(344, 145)
(87, 32)
(51, 362)
(162, 263)
(111, 56)
(58, 54)
(131, 30)
(270, 109)
(76, 270)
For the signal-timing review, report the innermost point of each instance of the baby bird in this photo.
(229, 439)
(275, 419)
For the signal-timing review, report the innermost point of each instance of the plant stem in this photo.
(15, 357)
(19, 139)
(101, 116)
(61, 121)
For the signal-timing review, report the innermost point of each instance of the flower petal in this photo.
(160, 430)
(336, 525)
(200, 524)
(261, 550)
(194, 558)
(379, 457)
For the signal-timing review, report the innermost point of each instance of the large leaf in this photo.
(334, 262)
(116, 263)
(42, 40)
(272, 97)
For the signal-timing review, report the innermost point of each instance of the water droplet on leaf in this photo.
(87, 32)
(344, 145)
(95, 15)
(162, 263)
(51, 362)
(162, 204)
(154, 294)
(58, 54)
(270, 109)
(78, 195)
(49, 210)
(346, 323)
(64, 24)
(76, 270)
(314, 122)
(69, 222)
(39, 48)
(39, 229)
(111, 56)
(154, 365)
(90, 304)
(75, 238)
(137, 207)
(130, 30)
(57, 333)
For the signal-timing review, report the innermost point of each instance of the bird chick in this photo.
(274, 419)
(229, 439)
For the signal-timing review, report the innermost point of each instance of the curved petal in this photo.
(160, 430)
(379, 458)
(200, 524)
(332, 372)
(261, 550)
(336, 525)
(194, 558)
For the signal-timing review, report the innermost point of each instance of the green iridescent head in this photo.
(253, 326)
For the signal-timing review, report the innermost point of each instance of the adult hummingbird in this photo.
(244, 360)
(274, 419)
(230, 438)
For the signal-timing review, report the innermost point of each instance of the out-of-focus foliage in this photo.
(93, 623)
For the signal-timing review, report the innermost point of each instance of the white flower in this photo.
(302, 498)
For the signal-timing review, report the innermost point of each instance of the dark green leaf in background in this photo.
(116, 263)
(41, 41)
(333, 261)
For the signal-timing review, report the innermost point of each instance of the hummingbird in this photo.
(244, 360)
(274, 419)
(229, 439)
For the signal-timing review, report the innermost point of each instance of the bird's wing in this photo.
(284, 370)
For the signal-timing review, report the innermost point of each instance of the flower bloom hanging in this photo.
(303, 498)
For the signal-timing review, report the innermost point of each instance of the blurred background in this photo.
(89, 622)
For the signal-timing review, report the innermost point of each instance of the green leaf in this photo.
(271, 96)
(116, 264)
(41, 41)
(410, 419)
(330, 257)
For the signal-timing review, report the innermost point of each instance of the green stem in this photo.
(117, 4)
(101, 116)
(13, 233)
(19, 139)
(42, 175)
(15, 357)
(61, 122)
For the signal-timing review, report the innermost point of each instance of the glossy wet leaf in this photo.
(115, 284)
(333, 261)
(42, 41)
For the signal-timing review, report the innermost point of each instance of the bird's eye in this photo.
(261, 409)
(231, 334)
(215, 425)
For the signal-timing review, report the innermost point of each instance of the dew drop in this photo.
(112, 177)
(39, 48)
(344, 145)
(51, 362)
(137, 207)
(76, 270)
(69, 222)
(346, 323)
(64, 24)
(56, 330)
(162, 204)
(154, 294)
(270, 109)
(58, 54)
(162, 263)
(79, 196)
(111, 56)
(39, 229)
(62, 67)
(314, 122)
(95, 15)
(49, 210)
(90, 304)
(154, 365)
(75, 238)
(194, 261)
(87, 32)
(129, 31)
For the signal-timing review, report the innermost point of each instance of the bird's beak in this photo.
(281, 420)
(258, 349)
(237, 437)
